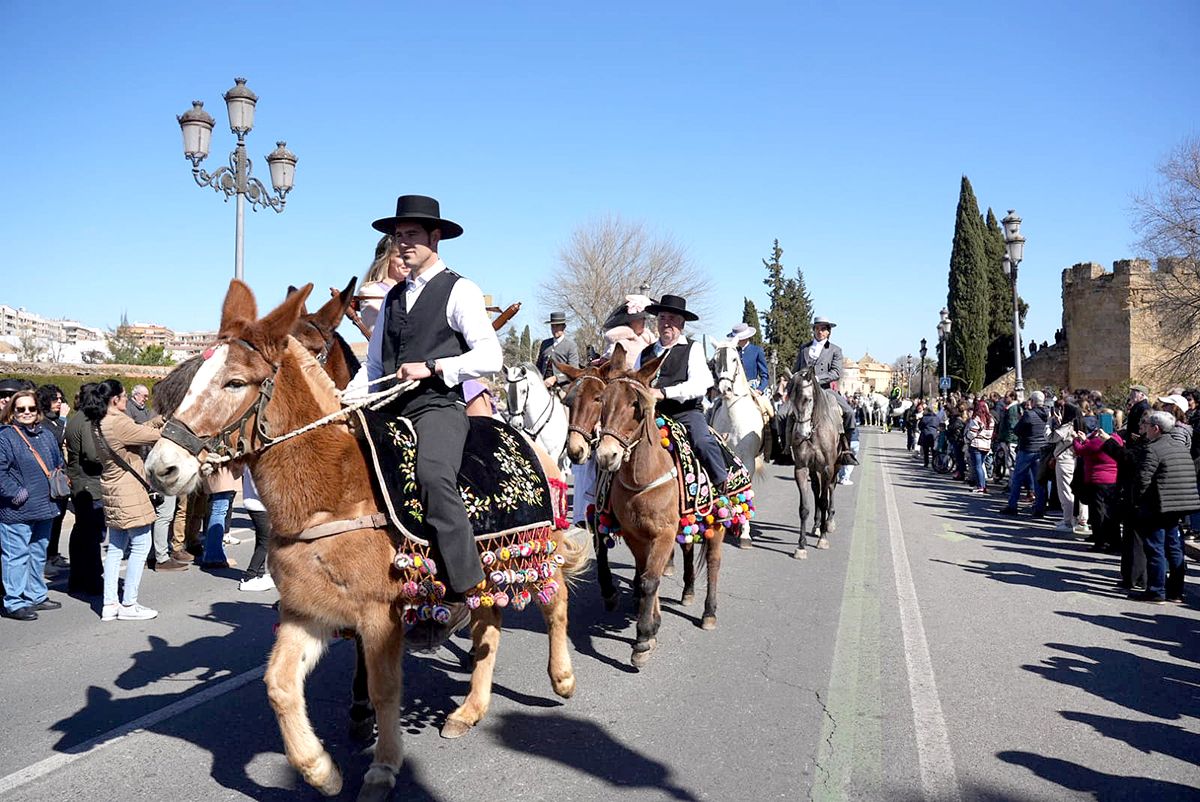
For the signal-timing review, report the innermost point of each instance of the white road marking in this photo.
(936, 760)
(114, 736)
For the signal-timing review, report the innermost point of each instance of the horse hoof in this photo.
(378, 784)
(745, 542)
(830, 526)
(800, 554)
(687, 599)
(455, 728)
(610, 602)
(669, 570)
(822, 542)
(565, 687)
(708, 623)
(641, 655)
(364, 730)
(332, 784)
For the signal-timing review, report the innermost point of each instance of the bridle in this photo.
(627, 443)
(543, 418)
(591, 438)
(732, 379)
(327, 338)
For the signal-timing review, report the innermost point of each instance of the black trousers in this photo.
(87, 570)
(56, 529)
(1104, 511)
(262, 533)
(441, 435)
(705, 445)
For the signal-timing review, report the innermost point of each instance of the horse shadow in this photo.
(1098, 785)
(559, 738)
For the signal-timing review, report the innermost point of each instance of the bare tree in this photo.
(1167, 216)
(609, 258)
(30, 348)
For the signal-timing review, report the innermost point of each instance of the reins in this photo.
(591, 438)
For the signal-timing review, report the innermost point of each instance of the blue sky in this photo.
(840, 129)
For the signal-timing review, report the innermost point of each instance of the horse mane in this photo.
(352, 362)
(169, 393)
(323, 389)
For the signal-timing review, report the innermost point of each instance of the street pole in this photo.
(1014, 244)
(1019, 386)
(236, 179)
(921, 366)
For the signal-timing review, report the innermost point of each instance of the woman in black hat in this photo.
(683, 380)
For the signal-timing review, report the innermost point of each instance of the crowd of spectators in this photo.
(1125, 478)
(88, 463)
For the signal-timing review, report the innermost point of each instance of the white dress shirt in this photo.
(466, 313)
(699, 377)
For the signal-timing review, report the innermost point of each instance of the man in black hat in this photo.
(683, 380)
(826, 359)
(435, 330)
(557, 348)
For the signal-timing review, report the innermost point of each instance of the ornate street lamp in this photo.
(235, 179)
(943, 329)
(921, 367)
(1014, 245)
(908, 376)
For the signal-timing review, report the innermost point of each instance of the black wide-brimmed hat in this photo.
(421, 208)
(672, 303)
(557, 318)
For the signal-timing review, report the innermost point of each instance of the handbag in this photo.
(60, 483)
(156, 498)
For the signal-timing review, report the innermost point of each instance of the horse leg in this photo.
(804, 486)
(608, 591)
(298, 645)
(485, 639)
(362, 715)
(689, 574)
(652, 559)
(669, 568)
(821, 491)
(830, 519)
(712, 554)
(383, 647)
(562, 675)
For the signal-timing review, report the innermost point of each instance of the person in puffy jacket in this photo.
(927, 428)
(28, 452)
(980, 429)
(1031, 438)
(1101, 489)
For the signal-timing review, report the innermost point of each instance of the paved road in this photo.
(934, 652)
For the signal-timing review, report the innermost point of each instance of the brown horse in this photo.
(318, 333)
(645, 500)
(256, 384)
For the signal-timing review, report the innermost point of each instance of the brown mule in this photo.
(645, 500)
(256, 384)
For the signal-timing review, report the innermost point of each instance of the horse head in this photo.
(516, 392)
(223, 413)
(803, 397)
(583, 406)
(730, 374)
(626, 415)
(318, 333)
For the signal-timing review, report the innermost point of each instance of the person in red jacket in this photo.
(1101, 491)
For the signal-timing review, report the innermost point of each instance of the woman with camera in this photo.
(128, 509)
(29, 454)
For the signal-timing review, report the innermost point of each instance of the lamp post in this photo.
(1014, 245)
(921, 367)
(908, 377)
(235, 179)
(943, 329)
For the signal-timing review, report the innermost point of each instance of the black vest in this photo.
(418, 334)
(672, 371)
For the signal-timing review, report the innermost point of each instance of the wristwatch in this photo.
(432, 365)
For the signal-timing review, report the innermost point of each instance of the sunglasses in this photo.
(21, 410)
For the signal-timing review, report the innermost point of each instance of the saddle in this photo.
(703, 508)
(512, 505)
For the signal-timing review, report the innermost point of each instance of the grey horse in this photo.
(816, 424)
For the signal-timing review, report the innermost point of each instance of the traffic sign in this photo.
(944, 384)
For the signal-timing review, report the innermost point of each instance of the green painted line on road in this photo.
(1075, 594)
(850, 751)
(950, 535)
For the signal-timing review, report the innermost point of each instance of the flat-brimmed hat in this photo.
(820, 321)
(1141, 388)
(676, 304)
(422, 208)
(559, 318)
(11, 386)
(1177, 400)
(742, 331)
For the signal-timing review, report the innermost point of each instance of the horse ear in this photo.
(618, 356)
(647, 372)
(239, 306)
(569, 371)
(293, 289)
(329, 315)
(280, 321)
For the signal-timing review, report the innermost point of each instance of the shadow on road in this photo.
(584, 746)
(1096, 784)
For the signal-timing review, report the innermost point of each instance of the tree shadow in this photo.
(559, 738)
(1099, 785)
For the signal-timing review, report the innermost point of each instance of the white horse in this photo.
(895, 414)
(738, 418)
(877, 409)
(535, 411)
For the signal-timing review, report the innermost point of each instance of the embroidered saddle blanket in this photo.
(512, 506)
(700, 503)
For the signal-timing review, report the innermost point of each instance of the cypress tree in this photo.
(527, 354)
(1000, 331)
(969, 301)
(772, 320)
(750, 318)
(789, 319)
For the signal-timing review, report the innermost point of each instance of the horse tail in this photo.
(573, 546)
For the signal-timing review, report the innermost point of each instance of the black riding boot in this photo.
(845, 455)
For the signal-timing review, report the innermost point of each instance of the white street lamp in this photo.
(235, 179)
(1014, 244)
(943, 329)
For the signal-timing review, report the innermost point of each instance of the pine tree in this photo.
(526, 351)
(511, 348)
(750, 318)
(789, 318)
(968, 301)
(775, 287)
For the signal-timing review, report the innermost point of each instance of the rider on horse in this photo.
(682, 381)
(826, 359)
(557, 348)
(435, 330)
